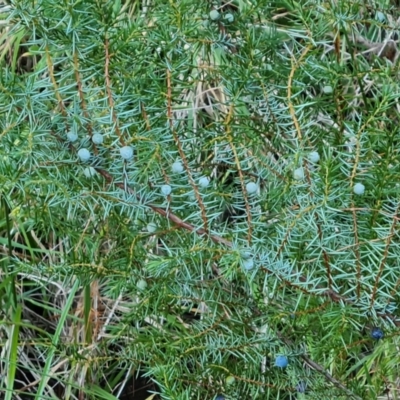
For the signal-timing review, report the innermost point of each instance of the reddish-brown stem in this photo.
(82, 99)
(182, 154)
(165, 213)
(109, 92)
(384, 257)
(240, 172)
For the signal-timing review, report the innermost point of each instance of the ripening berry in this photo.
(191, 196)
(72, 136)
(298, 174)
(281, 362)
(84, 155)
(214, 15)
(359, 188)
(229, 17)
(313, 157)
(246, 255)
(141, 284)
(151, 227)
(89, 172)
(177, 167)
(204, 181)
(327, 89)
(166, 190)
(377, 333)
(252, 188)
(126, 152)
(380, 16)
(97, 138)
(248, 264)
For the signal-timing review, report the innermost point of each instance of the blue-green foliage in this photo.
(247, 132)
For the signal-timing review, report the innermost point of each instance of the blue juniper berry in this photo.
(281, 362)
(377, 333)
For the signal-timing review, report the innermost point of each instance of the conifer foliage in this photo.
(199, 200)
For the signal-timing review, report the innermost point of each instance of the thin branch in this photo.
(182, 154)
(240, 172)
(109, 92)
